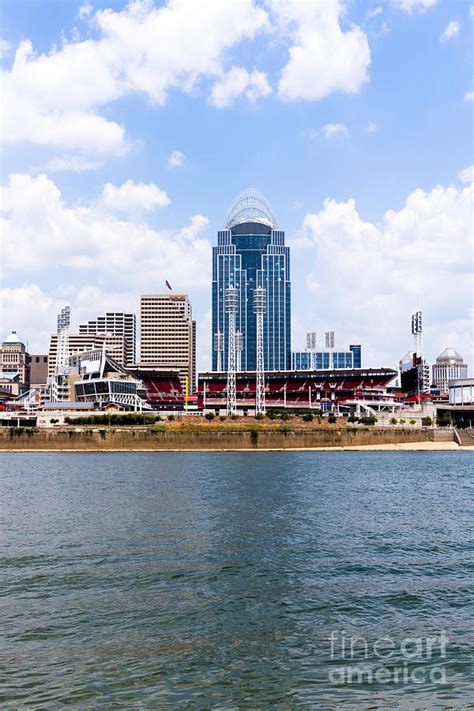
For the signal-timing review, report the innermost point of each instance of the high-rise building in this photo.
(449, 365)
(116, 324)
(14, 360)
(251, 253)
(168, 334)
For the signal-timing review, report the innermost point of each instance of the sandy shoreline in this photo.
(400, 447)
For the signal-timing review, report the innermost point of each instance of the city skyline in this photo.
(367, 165)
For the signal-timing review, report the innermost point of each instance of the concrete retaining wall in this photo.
(204, 438)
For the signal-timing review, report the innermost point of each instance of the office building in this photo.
(116, 324)
(251, 253)
(168, 335)
(38, 370)
(15, 361)
(449, 365)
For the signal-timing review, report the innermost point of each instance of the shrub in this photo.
(259, 416)
(426, 421)
(412, 422)
(157, 418)
(209, 415)
(443, 420)
(393, 421)
(402, 422)
(54, 420)
(170, 418)
(233, 417)
(271, 414)
(332, 419)
(222, 418)
(308, 417)
(370, 420)
(284, 416)
(352, 418)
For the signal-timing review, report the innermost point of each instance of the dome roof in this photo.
(250, 206)
(13, 338)
(449, 354)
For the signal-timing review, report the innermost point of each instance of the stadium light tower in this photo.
(231, 303)
(417, 332)
(423, 368)
(239, 347)
(219, 348)
(330, 340)
(311, 348)
(259, 308)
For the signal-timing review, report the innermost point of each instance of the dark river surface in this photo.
(259, 580)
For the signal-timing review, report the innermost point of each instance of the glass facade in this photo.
(327, 360)
(247, 255)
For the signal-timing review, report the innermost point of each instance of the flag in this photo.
(168, 285)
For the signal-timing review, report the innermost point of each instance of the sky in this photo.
(128, 129)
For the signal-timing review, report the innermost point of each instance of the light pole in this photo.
(231, 303)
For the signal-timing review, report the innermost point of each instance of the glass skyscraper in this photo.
(251, 252)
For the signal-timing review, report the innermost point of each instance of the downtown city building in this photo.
(168, 335)
(116, 323)
(251, 253)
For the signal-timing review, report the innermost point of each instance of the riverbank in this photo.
(223, 438)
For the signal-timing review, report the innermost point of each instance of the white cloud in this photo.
(469, 96)
(375, 11)
(372, 127)
(56, 98)
(323, 57)
(133, 197)
(335, 130)
(451, 31)
(467, 175)
(411, 5)
(41, 233)
(85, 10)
(31, 312)
(74, 163)
(5, 48)
(416, 255)
(236, 82)
(471, 11)
(176, 159)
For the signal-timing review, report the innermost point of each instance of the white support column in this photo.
(239, 347)
(219, 347)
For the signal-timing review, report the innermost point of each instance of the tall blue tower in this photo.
(251, 252)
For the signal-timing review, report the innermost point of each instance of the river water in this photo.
(260, 580)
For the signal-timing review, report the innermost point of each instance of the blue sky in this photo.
(354, 119)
